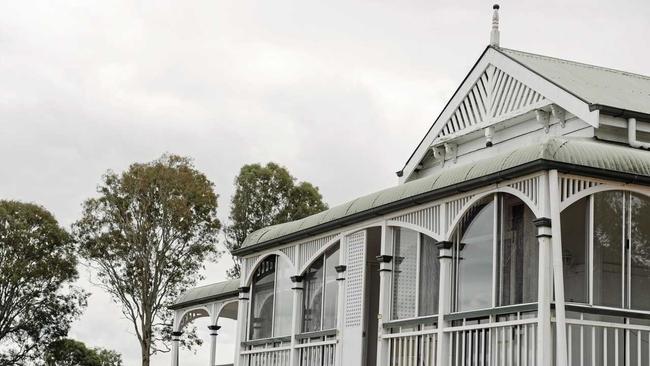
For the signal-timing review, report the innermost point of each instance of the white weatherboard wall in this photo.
(353, 343)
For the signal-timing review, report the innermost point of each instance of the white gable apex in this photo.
(496, 89)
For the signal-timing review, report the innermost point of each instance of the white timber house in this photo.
(518, 234)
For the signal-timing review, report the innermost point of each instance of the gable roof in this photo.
(578, 155)
(579, 88)
(594, 84)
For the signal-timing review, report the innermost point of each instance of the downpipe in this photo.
(631, 135)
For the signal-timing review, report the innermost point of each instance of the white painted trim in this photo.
(259, 260)
(419, 229)
(604, 187)
(319, 253)
(549, 90)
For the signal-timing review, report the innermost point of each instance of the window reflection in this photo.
(320, 294)
(473, 259)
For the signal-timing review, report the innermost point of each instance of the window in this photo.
(271, 300)
(415, 274)
(495, 255)
(473, 258)
(517, 253)
(606, 250)
(320, 294)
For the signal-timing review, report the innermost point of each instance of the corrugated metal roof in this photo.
(593, 84)
(213, 291)
(581, 152)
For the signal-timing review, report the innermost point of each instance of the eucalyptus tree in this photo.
(147, 235)
(267, 195)
(38, 266)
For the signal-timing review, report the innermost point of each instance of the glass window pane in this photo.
(404, 272)
(262, 299)
(429, 277)
(640, 242)
(473, 259)
(283, 300)
(331, 289)
(575, 252)
(608, 248)
(518, 253)
(313, 297)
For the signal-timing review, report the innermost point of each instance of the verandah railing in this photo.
(317, 348)
(500, 337)
(604, 336)
(313, 349)
(267, 352)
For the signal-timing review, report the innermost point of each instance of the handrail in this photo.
(258, 342)
(510, 309)
(410, 334)
(320, 333)
(317, 344)
(598, 310)
(508, 323)
(411, 321)
(266, 350)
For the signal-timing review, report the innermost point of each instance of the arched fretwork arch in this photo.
(417, 228)
(188, 315)
(332, 242)
(251, 271)
(603, 188)
(453, 225)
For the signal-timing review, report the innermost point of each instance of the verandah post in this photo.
(242, 320)
(340, 311)
(558, 275)
(385, 281)
(297, 316)
(444, 290)
(545, 276)
(213, 343)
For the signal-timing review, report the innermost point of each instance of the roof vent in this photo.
(494, 34)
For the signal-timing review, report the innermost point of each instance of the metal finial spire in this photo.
(494, 34)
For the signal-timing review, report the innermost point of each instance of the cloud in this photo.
(340, 92)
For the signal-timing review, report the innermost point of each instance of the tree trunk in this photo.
(144, 349)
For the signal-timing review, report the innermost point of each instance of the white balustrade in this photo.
(319, 353)
(269, 356)
(595, 342)
(416, 348)
(505, 343)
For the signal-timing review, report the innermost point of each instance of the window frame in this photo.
(497, 227)
(626, 252)
(275, 298)
(336, 247)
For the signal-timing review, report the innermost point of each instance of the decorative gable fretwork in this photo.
(495, 96)
(428, 218)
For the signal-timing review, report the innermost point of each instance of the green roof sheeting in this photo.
(581, 152)
(215, 291)
(593, 84)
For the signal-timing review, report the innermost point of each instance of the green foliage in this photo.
(148, 235)
(267, 195)
(69, 352)
(37, 268)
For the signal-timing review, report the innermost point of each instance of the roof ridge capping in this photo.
(576, 63)
(579, 155)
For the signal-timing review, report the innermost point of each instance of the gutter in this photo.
(527, 168)
(619, 112)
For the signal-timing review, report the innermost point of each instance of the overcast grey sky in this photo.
(340, 92)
